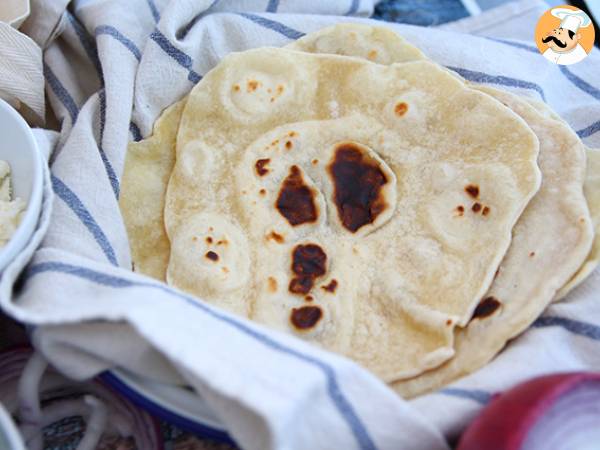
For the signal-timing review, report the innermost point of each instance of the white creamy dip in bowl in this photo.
(19, 149)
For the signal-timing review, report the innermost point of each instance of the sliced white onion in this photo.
(104, 412)
(30, 414)
(96, 424)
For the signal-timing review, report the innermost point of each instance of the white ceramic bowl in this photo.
(19, 149)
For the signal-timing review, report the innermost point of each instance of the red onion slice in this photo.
(555, 412)
(572, 422)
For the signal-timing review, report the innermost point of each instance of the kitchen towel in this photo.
(111, 67)
(21, 73)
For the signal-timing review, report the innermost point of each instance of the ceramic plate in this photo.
(174, 404)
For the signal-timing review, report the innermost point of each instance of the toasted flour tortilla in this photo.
(550, 241)
(377, 44)
(264, 221)
(591, 189)
(148, 166)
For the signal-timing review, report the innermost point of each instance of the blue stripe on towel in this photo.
(77, 206)
(481, 77)
(477, 395)
(110, 172)
(529, 48)
(128, 43)
(182, 59)
(61, 93)
(272, 6)
(87, 43)
(580, 83)
(580, 328)
(588, 131)
(338, 398)
(153, 10)
(273, 25)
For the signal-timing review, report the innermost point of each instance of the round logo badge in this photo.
(565, 35)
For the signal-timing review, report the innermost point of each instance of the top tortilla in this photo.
(262, 222)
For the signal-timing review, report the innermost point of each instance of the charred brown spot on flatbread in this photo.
(212, 256)
(357, 180)
(305, 317)
(486, 308)
(252, 85)
(275, 237)
(301, 285)
(308, 263)
(261, 166)
(209, 240)
(472, 190)
(400, 109)
(486, 210)
(296, 200)
(288, 145)
(272, 284)
(331, 286)
(460, 210)
(476, 207)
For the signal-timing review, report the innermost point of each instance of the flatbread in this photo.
(543, 109)
(591, 189)
(376, 44)
(148, 166)
(550, 241)
(262, 223)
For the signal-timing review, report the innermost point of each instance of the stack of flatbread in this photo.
(351, 192)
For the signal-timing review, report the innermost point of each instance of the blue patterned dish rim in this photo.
(174, 404)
